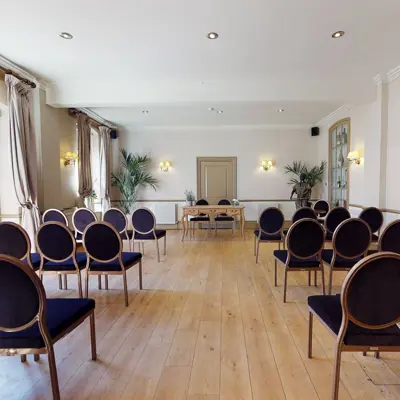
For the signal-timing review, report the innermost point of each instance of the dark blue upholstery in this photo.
(352, 238)
(340, 262)
(225, 218)
(143, 220)
(35, 260)
(329, 309)
(335, 217)
(200, 219)
(322, 205)
(295, 262)
(328, 236)
(128, 259)
(224, 202)
(78, 236)
(60, 315)
(266, 237)
(82, 218)
(101, 241)
(55, 241)
(149, 236)
(201, 202)
(124, 237)
(373, 217)
(116, 218)
(305, 238)
(67, 265)
(54, 216)
(271, 220)
(304, 212)
(12, 240)
(390, 240)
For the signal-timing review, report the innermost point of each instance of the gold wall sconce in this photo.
(266, 165)
(354, 156)
(165, 166)
(70, 158)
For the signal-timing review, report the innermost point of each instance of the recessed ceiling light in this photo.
(338, 34)
(66, 35)
(211, 109)
(213, 35)
(145, 111)
(220, 111)
(281, 110)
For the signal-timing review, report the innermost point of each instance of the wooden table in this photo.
(211, 210)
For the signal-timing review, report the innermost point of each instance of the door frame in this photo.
(216, 159)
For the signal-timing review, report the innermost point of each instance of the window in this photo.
(95, 161)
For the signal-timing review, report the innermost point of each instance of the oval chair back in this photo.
(202, 202)
(143, 221)
(102, 242)
(56, 243)
(373, 217)
(14, 241)
(390, 238)
(352, 238)
(81, 218)
(304, 212)
(335, 217)
(224, 202)
(305, 239)
(322, 206)
(116, 218)
(271, 221)
(54, 215)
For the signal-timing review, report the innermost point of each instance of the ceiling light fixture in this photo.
(211, 109)
(338, 34)
(212, 35)
(281, 110)
(66, 35)
(216, 110)
(145, 111)
(220, 111)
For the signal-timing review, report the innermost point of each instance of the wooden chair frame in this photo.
(153, 231)
(233, 222)
(303, 268)
(346, 317)
(76, 231)
(378, 232)
(321, 217)
(326, 218)
(258, 240)
(125, 230)
(337, 253)
(40, 318)
(60, 274)
(106, 273)
(58, 211)
(294, 221)
(192, 224)
(397, 221)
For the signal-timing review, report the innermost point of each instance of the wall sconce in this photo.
(70, 158)
(165, 166)
(266, 165)
(355, 157)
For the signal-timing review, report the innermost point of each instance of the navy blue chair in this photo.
(321, 208)
(224, 217)
(15, 242)
(144, 229)
(390, 238)
(32, 324)
(270, 225)
(333, 219)
(304, 241)
(118, 220)
(81, 218)
(54, 215)
(374, 218)
(365, 315)
(57, 248)
(301, 213)
(103, 245)
(350, 244)
(200, 218)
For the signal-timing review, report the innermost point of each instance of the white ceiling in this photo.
(136, 54)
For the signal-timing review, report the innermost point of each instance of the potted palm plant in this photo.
(132, 175)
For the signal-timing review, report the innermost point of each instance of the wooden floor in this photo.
(209, 325)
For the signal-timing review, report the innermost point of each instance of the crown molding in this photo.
(343, 108)
(225, 127)
(97, 117)
(388, 77)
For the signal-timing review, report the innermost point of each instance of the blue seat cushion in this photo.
(266, 237)
(78, 236)
(224, 218)
(281, 255)
(128, 259)
(200, 219)
(329, 310)
(35, 260)
(123, 235)
(67, 265)
(149, 236)
(340, 262)
(60, 315)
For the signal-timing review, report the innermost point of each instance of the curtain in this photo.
(84, 163)
(23, 152)
(105, 167)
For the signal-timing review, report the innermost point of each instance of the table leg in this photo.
(183, 226)
(242, 221)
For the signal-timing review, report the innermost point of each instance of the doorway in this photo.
(216, 178)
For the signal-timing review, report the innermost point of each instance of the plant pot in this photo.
(189, 203)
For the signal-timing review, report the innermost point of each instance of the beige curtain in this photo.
(105, 167)
(23, 152)
(84, 163)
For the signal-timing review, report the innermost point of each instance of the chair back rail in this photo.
(335, 217)
(271, 221)
(304, 212)
(14, 241)
(81, 218)
(54, 215)
(143, 221)
(116, 218)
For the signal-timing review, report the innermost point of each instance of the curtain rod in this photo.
(74, 112)
(27, 81)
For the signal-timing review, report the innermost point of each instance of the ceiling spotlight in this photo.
(211, 109)
(212, 35)
(281, 110)
(220, 111)
(338, 34)
(66, 35)
(145, 111)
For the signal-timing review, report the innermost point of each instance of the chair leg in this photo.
(276, 274)
(309, 278)
(257, 251)
(323, 278)
(330, 280)
(36, 357)
(336, 374)
(53, 374)
(315, 278)
(79, 284)
(279, 245)
(142, 247)
(215, 228)
(377, 355)
(99, 281)
(255, 245)
(285, 286)
(310, 330)
(93, 337)
(364, 353)
(133, 245)
(125, 289)
(140, 275)
(106, 282)
(60, 286)
(65, 281)
(23, 358)
(158, 251)
(130, 245)
(165, 245)
(87, 284)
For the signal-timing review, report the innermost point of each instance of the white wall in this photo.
(181, 147)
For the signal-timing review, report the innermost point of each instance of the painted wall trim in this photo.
(385, 210)
(344, 107)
